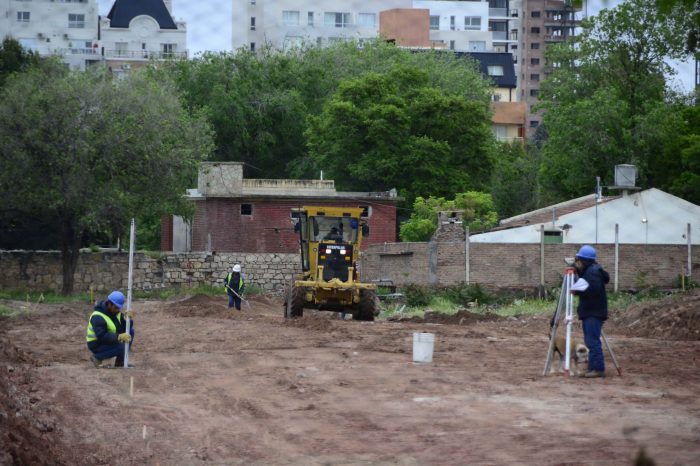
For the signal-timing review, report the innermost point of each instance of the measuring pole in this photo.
(132, 236)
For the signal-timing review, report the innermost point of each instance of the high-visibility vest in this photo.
(111, 328)
(240, 280)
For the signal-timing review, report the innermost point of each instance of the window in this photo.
(252, 2)
(534, 61)
(434, 23)
(167, 50)
(121, 49)
(472, 22)
(534, 123)
(252, 46)
(452, 23)
(310, 18)
(535, 45)
(477, 46)
(290, 18)
(76, 21)
(452, 45)
(534, 77)
(367, 20)
(534, 92)
(338, 20)
(495, 70)
(500, 132)
(23, 16)
(246, 209)
(535, 14)
(535, 30)
(514, 47)
(252, 23)
(496, 98)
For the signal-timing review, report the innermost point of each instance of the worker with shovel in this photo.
(106, 331)
(235, 285)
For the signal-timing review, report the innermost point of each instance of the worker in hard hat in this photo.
(106, 331)
(592, 307)
(235, 285)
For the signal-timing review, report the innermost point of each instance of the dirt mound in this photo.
(315, 322)
(200, 306)
(676, 317)
(462, 317)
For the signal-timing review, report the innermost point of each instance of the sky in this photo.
(209, 29)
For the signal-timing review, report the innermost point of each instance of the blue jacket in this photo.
(100, 326)
(594, 301)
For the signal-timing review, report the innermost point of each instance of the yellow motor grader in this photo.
(330, 239)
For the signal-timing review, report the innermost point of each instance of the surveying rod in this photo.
(569, 317)
(132, 235)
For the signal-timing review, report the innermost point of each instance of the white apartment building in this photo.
(285, 23)
(67, 28)
(131, 34)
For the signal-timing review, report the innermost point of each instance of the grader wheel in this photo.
(369, 306)
(293, 302)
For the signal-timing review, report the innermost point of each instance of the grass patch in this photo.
(48, 296)
(6, 311)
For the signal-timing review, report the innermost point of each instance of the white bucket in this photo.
(423, 347)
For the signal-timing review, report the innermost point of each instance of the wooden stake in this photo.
(131, 393)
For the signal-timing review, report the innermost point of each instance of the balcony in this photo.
(78, 51)
(144, 54)
(500, 12)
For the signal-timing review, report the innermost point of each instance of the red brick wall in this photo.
(269, 228)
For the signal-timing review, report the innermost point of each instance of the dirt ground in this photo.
(250, 388)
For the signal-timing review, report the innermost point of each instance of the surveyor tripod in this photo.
(566, 305)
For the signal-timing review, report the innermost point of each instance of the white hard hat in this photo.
(237, 268)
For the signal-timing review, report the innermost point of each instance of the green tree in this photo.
(86, 153)
(13, 59)
(478, 212)
(514, 178)
(606, 101)
(381, 131)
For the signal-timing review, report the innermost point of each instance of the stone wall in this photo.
(107, 270)
(440, 262)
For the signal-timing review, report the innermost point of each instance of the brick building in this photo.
(233, 214)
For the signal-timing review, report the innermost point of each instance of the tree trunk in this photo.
(70, 251)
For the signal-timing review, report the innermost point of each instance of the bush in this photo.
(418, 295)
(463, 294)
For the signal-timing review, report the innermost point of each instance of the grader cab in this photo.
(330, 239)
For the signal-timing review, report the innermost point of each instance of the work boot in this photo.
(96, 362)
(594, 374)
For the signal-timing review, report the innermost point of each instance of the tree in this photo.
(394, 129)
(13, 59)
(690, 19)
(606, 101)
(514, 179)
(477, 208)
(92, 153)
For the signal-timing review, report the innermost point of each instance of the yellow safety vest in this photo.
(240, 280)
(111, 328)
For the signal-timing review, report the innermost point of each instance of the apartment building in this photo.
(130, 35)
(286, 23)
(544, 22)
(66, 28)
(133, 33)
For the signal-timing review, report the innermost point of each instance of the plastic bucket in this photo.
(423, 346)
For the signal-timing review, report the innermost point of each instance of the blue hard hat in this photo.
(116, 298)
(586, 252)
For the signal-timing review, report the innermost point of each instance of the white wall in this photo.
(666, 222)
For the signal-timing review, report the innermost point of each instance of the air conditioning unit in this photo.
(126, 66)
(40, 35)
(65, 36)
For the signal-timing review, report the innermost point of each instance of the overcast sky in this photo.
(209, 28)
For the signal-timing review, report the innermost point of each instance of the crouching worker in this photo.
(106, 331)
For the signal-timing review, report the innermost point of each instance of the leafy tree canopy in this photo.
(395, 130)
(86, 153)
(13, 58)
(606, 101)
(477, 208)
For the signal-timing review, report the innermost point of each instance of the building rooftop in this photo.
(123, 11)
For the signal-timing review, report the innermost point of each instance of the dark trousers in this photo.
(592, 328)
(110, 350)
(234, 300)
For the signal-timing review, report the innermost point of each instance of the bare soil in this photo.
(251, 388)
